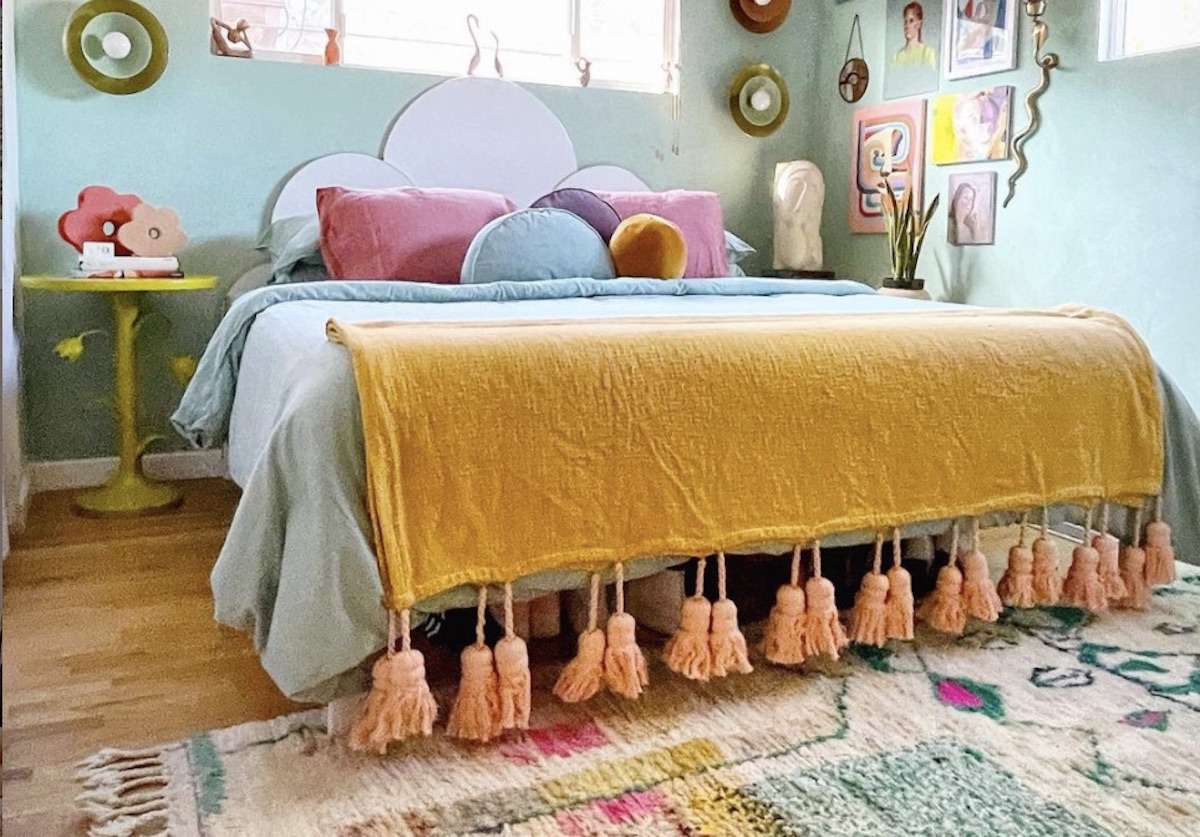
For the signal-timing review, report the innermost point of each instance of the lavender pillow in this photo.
(589, 206)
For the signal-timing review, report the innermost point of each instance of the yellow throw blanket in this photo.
(495, 450)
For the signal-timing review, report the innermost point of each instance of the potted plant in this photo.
(906, 230)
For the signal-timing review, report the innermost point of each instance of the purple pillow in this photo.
(594, 210)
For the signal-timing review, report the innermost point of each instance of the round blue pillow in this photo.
(532, 244)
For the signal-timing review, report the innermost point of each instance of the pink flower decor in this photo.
(97, 207)
(153, 231)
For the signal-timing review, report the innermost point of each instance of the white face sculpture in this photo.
(799, 198)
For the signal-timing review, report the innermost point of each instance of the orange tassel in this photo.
(1047, 584)
(512, 668)
(899, 615)
(1016, 585)
(625, 671)
(942, 609)
(726, 642)
(1160, 554)
(582, 678)
(399, 704)
(1082, 587)
(475, 715)
(1133, 571)
(783, 640)
(1109, 550)
(868, 622)
(687, 651)
(823, 633)
(979, 596)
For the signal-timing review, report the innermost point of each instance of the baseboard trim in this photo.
(85, 473)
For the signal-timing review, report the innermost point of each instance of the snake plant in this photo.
(906, 230)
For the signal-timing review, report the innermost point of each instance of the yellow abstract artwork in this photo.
(972, 127)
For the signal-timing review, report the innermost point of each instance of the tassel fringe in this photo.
(1160, 554)
(823, 633)
(687, 651)
(475, 715)
(1133, 570)
(1109, 550)
(1082, 587)
(942, 609)
(899, 608)
(512, 669)
(868, 620)
(399, 704)
(783, 640)
(1016, 585)
(625, 671)
(1047, 583)
(726, 642)
(979, 596)
(583, 677)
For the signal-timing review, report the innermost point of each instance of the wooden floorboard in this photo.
(109, 640)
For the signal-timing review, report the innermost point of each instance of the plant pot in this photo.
(900, 284)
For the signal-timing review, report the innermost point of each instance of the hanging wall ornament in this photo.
(855, 76)
(116, 46)
(758, 99)
(760, 16)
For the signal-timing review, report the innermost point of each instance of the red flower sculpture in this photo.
(100, 213)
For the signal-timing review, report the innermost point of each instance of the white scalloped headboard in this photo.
(468, 133)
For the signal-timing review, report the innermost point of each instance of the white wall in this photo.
(13, 487)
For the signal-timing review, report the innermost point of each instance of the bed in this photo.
(298, 571)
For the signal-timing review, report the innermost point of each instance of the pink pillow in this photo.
(419, 235)
(698, 216)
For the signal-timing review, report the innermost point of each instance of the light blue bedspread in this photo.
(297, 569)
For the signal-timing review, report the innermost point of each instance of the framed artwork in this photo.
(912, 44)
(887, 141)
(980, 37)
(971, 218)
(972, 127)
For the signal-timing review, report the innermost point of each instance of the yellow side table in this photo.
(128, 491)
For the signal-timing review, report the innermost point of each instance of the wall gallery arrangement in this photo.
(972, 127)
(974, 38)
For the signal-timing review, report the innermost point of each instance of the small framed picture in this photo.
(971, 218)
(980, 37)
(972, 127)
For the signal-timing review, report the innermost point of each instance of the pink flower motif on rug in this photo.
(1147, 719)
(559, 740)
(640, 811)
(968, 695)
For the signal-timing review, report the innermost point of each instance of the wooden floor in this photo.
(109, 640)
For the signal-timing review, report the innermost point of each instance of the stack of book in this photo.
(129, 266)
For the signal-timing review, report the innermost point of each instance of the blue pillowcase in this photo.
(295, 247)
(533, 244)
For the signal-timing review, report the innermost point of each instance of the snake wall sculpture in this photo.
(1050, 61)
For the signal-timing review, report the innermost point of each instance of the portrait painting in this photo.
(972, 127)
(888, 141)
(971, 217)
(912, 47)
(980, 37)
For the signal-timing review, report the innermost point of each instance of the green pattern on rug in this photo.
(1050, 721)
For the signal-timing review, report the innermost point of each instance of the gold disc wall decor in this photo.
(760, 18)
(758, 99)
(116, 46)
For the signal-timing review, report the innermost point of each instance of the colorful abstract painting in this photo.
(887, 141)
(972, 127)
(972, 212)
(981, 37)
(913, 41)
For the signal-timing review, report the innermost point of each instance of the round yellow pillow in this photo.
(648, 246)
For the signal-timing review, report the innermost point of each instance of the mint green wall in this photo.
(215, 137)
(1109, 212)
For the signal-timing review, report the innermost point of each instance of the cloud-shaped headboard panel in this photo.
(466, 133)
(354, 171)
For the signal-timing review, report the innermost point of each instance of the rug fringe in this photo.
(126, 792)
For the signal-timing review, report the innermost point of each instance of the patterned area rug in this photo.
(1049, 722)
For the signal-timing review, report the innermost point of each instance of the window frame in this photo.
(672, 35)
(1113, 17)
